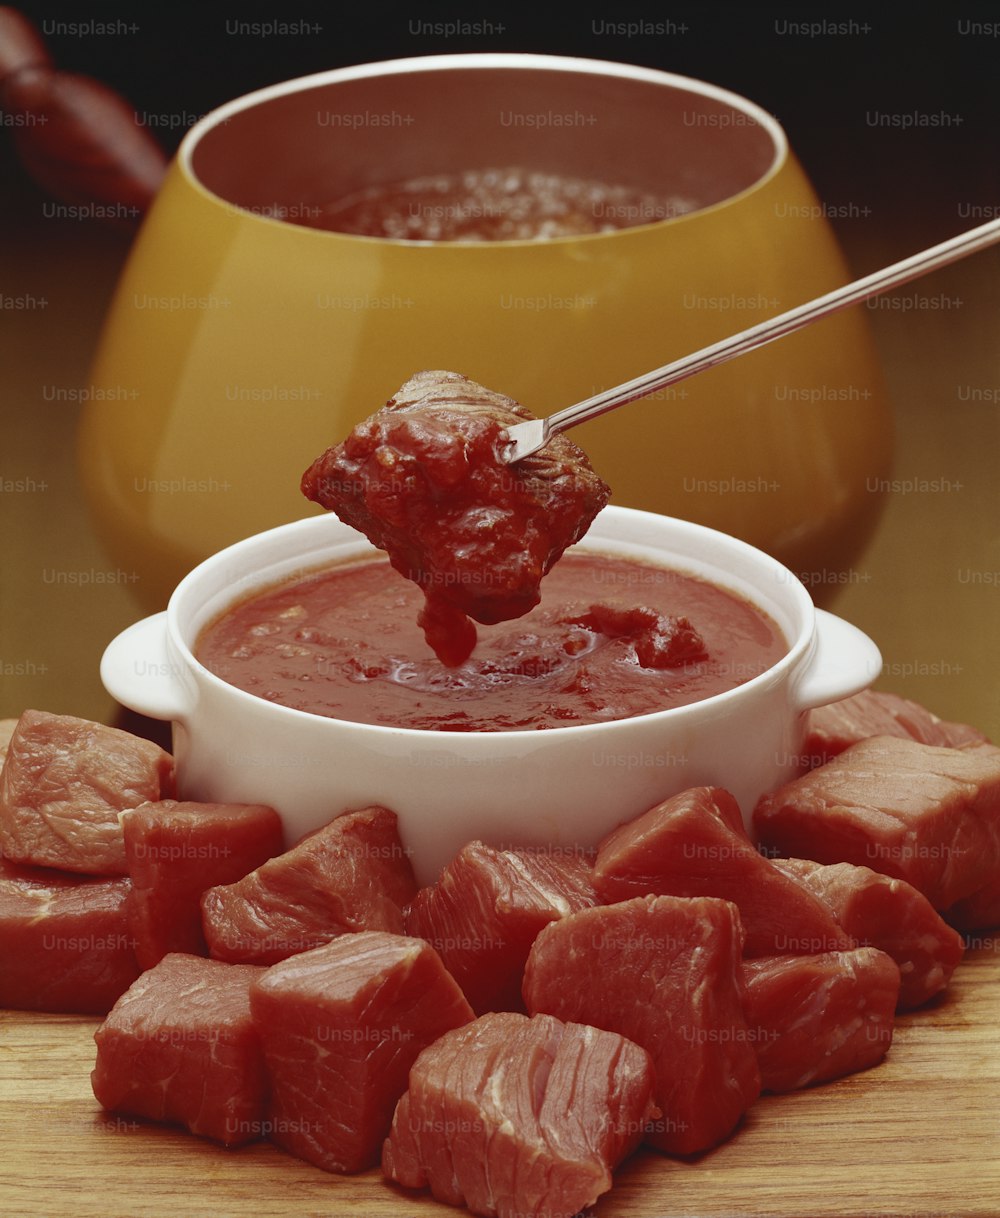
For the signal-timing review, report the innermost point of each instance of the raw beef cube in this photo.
(175, 851)
(485, 910)
(889, 914)
(180, 1047)
(980, 910)
(512, 1116)
(816, 1018)
(341, 1026)
(353, 874)
(831, 729)
(927, 815)
(670, 980)
(62, 786)
(7, 727)
(694, 845)
(65, 943)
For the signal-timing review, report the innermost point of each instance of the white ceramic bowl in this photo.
(559, 787)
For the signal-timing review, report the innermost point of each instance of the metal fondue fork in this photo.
(525, 438)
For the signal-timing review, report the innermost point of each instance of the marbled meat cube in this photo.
(694, 845)
(7, 727)
(817, 1018)
(831, 729)
(512, 1116)
(887, 913)
(62, 786)
(180, 1047)
(485, 910)
(65, 944)
(665, 973)
(341, 1025)
(174, 852)
(353, 874)
(924, 814)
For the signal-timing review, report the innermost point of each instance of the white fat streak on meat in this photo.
(151, 1026)
(935, 979)
(500, 1092)
(44, 897)
(74, 776)
(482, 1135)
(384, 1001)
(701, 995)
(104, 781)
(700, 992)
(929, 945)
(954, 862)
(668, 952)
(547, 894)
(590, 1061)
(311, 1115)
(545, 1109)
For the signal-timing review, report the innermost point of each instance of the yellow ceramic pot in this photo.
(242, 342)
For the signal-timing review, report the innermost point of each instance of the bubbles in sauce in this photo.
(575, 658)
(496, 204)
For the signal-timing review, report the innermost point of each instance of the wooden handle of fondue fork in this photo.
(77, 138)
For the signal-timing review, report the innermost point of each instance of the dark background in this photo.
(831, 90)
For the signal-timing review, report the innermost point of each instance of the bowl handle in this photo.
(138, 672)
(844, 661)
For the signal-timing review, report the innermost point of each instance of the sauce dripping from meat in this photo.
(422, 479)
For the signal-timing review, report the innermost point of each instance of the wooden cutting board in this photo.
(916, 1137)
